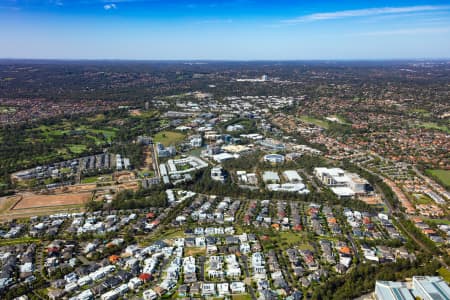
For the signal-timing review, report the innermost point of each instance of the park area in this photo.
(443, 176)
(168, 138)
(34, 201)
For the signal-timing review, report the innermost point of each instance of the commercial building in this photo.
(342, 183)
(272, 145)
(223, 157)
(165, 152)
(196, 141)
(274, 158)
(270, 176)
(288, 187)
(218, 174)
(185, 165)
(292, 176)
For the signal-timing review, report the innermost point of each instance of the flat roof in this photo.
(343, 191)
(392, 290)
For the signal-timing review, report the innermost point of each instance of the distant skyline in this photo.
(224, 30)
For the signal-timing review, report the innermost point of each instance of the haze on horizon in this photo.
(224, 29)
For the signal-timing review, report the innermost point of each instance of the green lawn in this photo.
(108, 133)
(437, 221)
(445, 273)
(431, 125)
(6, 109)
(49, 132)
(149, 173)
(168, 138)
(442, 175)
(89, 179)
(341, 119)
(422, 199)
(315, 121)
(24, 240)
(297, 239)
(147, 114)
(77, 148)
(241, 297)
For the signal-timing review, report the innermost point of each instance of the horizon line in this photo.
(223, 60)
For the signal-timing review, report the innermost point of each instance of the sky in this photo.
(224, 29)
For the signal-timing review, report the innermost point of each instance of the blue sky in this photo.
(224, 29)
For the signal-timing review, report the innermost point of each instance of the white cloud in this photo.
(110, 6)
(408, 31)
(367, 12)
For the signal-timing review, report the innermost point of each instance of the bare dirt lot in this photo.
(34, 201)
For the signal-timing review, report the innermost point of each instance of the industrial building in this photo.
(422, 287)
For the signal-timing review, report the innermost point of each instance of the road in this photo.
(354, 247)
(155, 161)
(201, 268)
(244, 264)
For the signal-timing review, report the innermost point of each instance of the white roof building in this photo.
(270, 176)
(343, 192)
(430, 288)
(292, 176)
(221, 157)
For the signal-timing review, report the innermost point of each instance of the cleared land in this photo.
(6, 203)
(442, 175)
(33, 201)
(168, 138)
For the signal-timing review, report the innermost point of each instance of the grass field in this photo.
(77, 149)
(24, 240)
(147, 114)
(93, 179)
(420, 111)
(194, 251)
(422, 199)
(98, 117)
(294, 239)
(315, 121)
(241, 297)
(6, 109)
(168, 138)
(442, 175)
(48, 132)
(341, 119)
(431, 125)
(147, 172)
(445, 273)
(437, 221)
